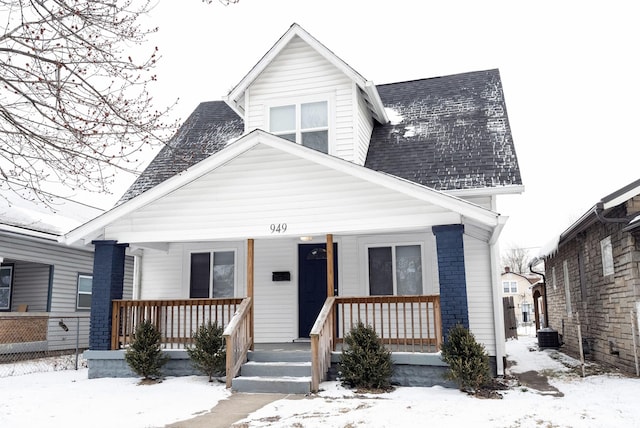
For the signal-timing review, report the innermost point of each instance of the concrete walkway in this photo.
(238, 406)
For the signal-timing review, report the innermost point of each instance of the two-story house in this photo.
(310, 198)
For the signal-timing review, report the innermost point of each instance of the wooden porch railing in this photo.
(176, 320)
(238, 336)
(403, 323)
(323, 336)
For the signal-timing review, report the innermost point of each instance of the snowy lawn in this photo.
(68, 399)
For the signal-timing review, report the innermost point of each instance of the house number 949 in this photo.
(278, 228)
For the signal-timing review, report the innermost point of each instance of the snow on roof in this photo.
(62, 216)
(395, 118)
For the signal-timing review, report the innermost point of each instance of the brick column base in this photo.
(108, 280)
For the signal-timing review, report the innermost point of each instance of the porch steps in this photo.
(276, 371)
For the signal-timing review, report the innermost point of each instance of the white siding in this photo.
(266, 186)
(364, 127)
(165, 275)
(349, 282)
(161, 274)
(480, 291)
(276, 303)
(297, 72)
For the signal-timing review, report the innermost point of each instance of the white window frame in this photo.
(606, 249)
(329, 98)
(211, 259)
(393, 246)
(78, 292)
(511, 286)
(553, 278)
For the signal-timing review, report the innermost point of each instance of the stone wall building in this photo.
(593, 281)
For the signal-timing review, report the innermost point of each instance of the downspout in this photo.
(498, 312)
(599, 212)
(544, 287)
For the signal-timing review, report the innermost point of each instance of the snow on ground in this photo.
(68, 399)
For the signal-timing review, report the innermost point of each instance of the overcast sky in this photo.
(569, 70)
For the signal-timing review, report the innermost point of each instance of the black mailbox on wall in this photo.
(280, 276)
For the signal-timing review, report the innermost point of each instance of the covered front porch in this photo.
(405, 324)
(297, 245)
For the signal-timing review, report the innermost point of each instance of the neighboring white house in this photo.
(519, 286)
(401, 178)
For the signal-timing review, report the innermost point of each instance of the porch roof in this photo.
(359, 189)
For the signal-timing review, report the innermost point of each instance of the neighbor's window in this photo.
(212, 274)
(305, 123)
(607, 256)
(510, 286)
(6, 281)
(85, 283)
(395, 269)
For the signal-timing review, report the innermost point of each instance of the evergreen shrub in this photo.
(467, 359)
(365, 363)
(209, 351)
(144, 355)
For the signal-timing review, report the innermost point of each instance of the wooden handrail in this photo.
(322, 343)
(239, 339)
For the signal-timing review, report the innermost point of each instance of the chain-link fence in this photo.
(35, 342)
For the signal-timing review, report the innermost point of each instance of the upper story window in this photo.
(303, 123)
(510, 286)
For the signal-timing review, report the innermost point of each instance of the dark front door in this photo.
(312, 283)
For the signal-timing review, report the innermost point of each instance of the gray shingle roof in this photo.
(207, 130)
(454, 134)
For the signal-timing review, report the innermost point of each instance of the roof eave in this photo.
(515, 189)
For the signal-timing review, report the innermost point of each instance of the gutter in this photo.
(599, 212)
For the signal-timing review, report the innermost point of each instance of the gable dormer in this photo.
(302, 92)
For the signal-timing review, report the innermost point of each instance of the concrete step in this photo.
(279, 356)
(284, 371)
(273, 369)
(267, 384)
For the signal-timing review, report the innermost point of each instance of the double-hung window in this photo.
(303, 123)
(212, 274)
(395, 270)
(85, 282)
(510, 286)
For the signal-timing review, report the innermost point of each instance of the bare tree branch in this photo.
(75, 102)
